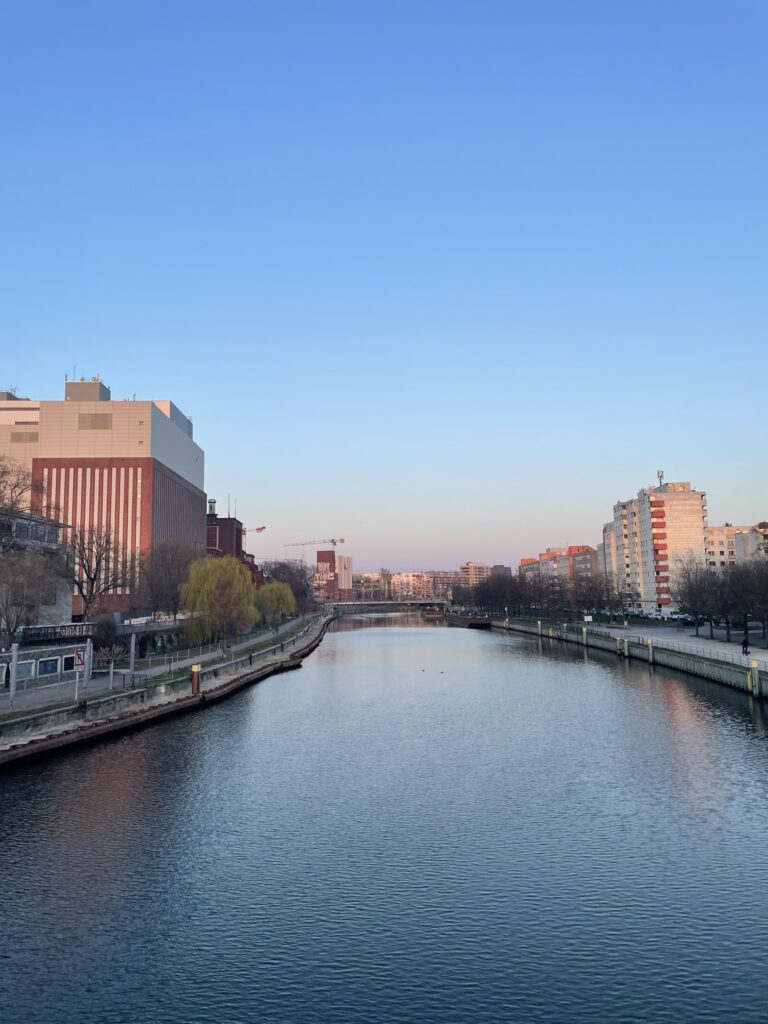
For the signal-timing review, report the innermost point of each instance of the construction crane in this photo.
(254, 529)
(309, 543)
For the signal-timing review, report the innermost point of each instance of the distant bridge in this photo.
(407, 605)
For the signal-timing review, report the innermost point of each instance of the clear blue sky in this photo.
(444, 278)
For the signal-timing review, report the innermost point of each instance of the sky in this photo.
(446, 279)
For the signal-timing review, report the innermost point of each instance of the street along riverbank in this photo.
(746, 674)
(89, 721)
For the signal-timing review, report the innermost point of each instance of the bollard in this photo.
(195, 679)
(754, 679)
(650, 651)
(13, 672)
(584, 635)
(538, 623)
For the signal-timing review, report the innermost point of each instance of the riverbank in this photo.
(738, 672)
(98, 718)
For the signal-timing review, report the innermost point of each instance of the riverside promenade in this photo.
(712, 659)
(701, 645)
(44, 731)
(41, 692)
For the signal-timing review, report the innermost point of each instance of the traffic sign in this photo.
(80, 658)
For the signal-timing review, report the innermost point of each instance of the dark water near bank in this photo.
(422, 825)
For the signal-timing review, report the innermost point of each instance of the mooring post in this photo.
(538, 623)
(754, 678)
(14, 669)
(132, 668)
(584, 635)
(650, 651)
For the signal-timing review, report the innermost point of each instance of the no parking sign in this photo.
(80, 658)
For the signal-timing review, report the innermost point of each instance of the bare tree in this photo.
(691, 586)
(96, 566)
(25, 579)
(163, 569)
(18, 491)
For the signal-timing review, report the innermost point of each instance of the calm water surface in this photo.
(423, 824)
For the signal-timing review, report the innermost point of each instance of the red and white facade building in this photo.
(672, 521)
(128, 467)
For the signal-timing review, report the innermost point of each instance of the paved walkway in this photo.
(312, 627)
(686, 641)
(35, 694)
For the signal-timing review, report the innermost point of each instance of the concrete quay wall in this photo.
(751, 679)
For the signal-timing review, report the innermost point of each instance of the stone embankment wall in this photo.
(751, 679)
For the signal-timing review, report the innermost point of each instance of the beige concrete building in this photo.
(720, 545)
(416, 585)
(621, 554)
(751, 543)
(473, 573)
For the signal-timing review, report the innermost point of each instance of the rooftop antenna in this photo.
(660, 475)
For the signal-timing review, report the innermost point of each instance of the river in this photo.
(422, 824)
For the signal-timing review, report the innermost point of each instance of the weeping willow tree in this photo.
(219, 596)
(274, 600)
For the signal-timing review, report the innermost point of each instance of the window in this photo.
(94, 421)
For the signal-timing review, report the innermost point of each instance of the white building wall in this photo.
(343, 572)
(176, 449)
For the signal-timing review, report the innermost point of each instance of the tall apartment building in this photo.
(129, 467)
(672, 518)
(646, 537)
(621, 553)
